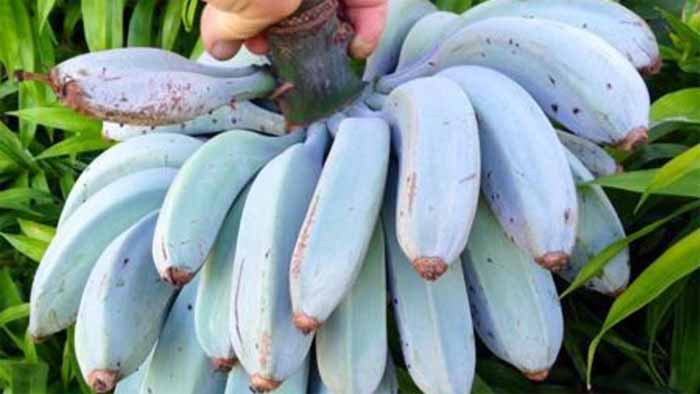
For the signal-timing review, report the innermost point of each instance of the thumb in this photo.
(368, 18)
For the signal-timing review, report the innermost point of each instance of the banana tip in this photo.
(259, 384)
(37, 339)
(306, 324)
(618, 292)
(177, 277)
(653, 67)
(430, 268)
(224, 364)
(103, 381)
(537, 376)
(553, 261)
(634, 139)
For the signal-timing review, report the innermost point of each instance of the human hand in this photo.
(228, 24)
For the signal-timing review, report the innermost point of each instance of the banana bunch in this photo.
(216, 251)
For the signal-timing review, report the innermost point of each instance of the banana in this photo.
(244, 115)
(438, 143)
(170, 97)
(201, 195)
(139, 154)
(239, 382)
(575, 76)
(66, 265)
(389, 383)
(432, 317)
(122, 310)
(340, 220)
(351, 348)
(526, 177)
(402, 14)
(211, 312)
(599, 226)
(426, 33)
(514, 302)
(595, 158)
(623, 29)
(266, 342)
(178, 364)
(132, 384)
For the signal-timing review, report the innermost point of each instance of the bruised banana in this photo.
(623, 29)
(201, 195)
(244, 115)
(514, 302)
(70, 257)
(351, 347)
(142, 153)
(402, 15)
(178, 364)
(239, 381)
(426, 33)
(211, 313)
(534, 200)
(595, 158)
(599, 226)
(122, 310)
(439, 170)
(340, 220)
(264, 338)
(576, 77)
(433, 318)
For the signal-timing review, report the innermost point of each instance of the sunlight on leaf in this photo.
(639, 181)
(672, 172)
(30, 247)
(75, 145)
(62, 118)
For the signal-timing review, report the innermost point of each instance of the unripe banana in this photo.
(244, 115)
(156, 98)
(340, 221)
(429, 31)
(514, 302)
(132, 384)
(437, 139)
(178, 364)
(599, 226)
(592, 156)
(432, 317)
(142, 153)
(402, 14)
(122, 309)
(70, 257)
(582, 82)
(211, 313)
(201, 195)
(264, 338)
(351, 347)
(239, 381)
(623, 29)
(525, 175)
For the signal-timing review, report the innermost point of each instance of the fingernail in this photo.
(360, 49)
(224, 50)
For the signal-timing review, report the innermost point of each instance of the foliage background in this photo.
(649, 338)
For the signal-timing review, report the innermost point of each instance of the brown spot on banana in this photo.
(224, 364)
(263, 385)
(652, 68)
(553, 261)
(634, 139)
(430, 268)
(304, 235)
(306, 324)
(103, 381)
(537, 376)
(177, 277)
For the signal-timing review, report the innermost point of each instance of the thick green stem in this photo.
(310, 58)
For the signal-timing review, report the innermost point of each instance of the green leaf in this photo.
(27, 378)
(17, 198)
(16, 312)
(62, 118)
(44, 8)
(480, 387)
(30, 247)
(141, 24)
(678, 261)
(36, 230)
(656, 314)
(74, 146)
(457, 6)
(685, 343)
(673, 171)
(170, 26)
(103, 23)
(12, 149)
(189, 11)
(639, 181)
(597, 263)
(16, 36)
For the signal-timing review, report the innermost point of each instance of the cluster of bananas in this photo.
(199, 261)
